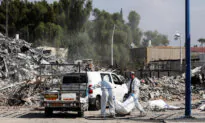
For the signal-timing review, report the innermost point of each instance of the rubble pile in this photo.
(170, 88)
(21, 84)
(166, 88)
(19, 71)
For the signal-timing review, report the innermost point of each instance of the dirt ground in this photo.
(36, 115)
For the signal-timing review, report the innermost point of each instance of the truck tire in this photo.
(48, 112)
(98, 103)
(81, 114)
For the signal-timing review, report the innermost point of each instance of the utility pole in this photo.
(6, 18)
(112, 45)
(178, 36)
(188, 61)
(180, 53)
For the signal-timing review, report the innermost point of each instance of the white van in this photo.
(120, 88)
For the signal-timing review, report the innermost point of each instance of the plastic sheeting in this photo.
(125, 107)
(160, 105)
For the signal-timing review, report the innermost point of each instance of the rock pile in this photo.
(169, 88)
(19, 71)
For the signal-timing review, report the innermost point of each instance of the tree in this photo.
(156, 38)
(76, 12)
(134, 19)
(202, 41)
(80, 47)
(121, 14)
(101, 33)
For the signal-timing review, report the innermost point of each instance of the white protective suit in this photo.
(135, 92)
(107, 96)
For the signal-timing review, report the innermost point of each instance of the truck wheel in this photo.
(81, 113)
(98, 103)
(48, 112)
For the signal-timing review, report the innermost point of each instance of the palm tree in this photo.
(202, 41)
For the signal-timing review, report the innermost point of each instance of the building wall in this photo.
(164, 53)
(149, 54)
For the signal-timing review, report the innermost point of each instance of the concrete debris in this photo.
(170, 88)
(202, 107)
(19, 70)
(20, 67)
(166, 88)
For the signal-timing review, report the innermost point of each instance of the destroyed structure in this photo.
(19, 75)
(20, 83)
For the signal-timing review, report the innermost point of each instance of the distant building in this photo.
(198, 53)
(198, 49)
(162, 57)
(58, 52)
(150, 54)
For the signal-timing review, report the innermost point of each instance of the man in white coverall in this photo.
(134, 90)
(107, 96)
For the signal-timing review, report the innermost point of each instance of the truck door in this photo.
(118, 87)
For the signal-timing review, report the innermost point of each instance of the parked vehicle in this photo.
(120, 88)
(70, 96)
(74, 92)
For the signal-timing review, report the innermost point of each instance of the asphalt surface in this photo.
(36, 115)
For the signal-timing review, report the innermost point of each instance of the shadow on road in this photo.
(55, 115)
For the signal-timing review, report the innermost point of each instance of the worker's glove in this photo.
(132, 94)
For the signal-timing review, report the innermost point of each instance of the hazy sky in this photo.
(165, 16)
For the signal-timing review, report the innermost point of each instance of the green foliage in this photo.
(80, 46)
(36, 21)
(202, 41)
(134, 19)
(156, 38)
(101, 33)
(66, 24)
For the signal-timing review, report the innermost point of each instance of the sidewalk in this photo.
(168, 116)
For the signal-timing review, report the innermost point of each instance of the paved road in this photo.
(31, 115)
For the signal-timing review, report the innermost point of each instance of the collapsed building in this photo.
(20, 83)
(19, 71)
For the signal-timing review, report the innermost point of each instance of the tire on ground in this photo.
(98, 103)
(81, 113)
(48, 112)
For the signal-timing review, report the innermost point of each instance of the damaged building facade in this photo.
(166, 57)
(163, 55)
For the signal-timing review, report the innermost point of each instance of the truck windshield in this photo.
(75, 79)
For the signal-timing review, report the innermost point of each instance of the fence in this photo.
(165, 68)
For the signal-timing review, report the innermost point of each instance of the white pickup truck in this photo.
(120, 88)
(71, 94)
(75, 93)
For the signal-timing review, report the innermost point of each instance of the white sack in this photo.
(160, 104)
(125, 107)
